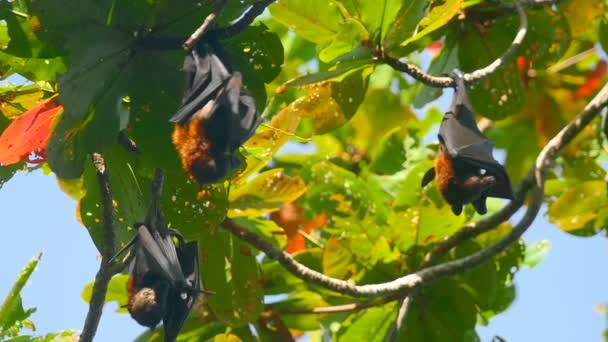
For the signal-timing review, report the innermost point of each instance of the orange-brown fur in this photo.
(444, 172)
(192, 145)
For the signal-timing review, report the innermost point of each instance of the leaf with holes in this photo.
(29, 133)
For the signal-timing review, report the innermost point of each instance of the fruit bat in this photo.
(216, 117)
(465, 170)
(165, 278)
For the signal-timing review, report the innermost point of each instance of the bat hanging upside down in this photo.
(465, 170)
(217, 116)
(164, 278)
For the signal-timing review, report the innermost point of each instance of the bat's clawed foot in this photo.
(457, 209)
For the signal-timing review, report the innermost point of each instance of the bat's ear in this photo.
(480, 205)
(428, 177)
(457, 209)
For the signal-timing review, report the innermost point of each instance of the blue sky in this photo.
(555, 300)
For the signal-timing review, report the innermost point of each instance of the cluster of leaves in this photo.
(338, 163)
(13, 317)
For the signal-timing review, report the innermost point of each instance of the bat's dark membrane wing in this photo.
(182, 300)
(206, 75)
(465, 144)
(155, 252)
(244, 117)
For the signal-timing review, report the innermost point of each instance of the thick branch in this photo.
(206, 25)
(253, 12)
(446, 81)
(427, 275)
(106, 271)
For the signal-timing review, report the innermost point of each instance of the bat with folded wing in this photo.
(465, 170)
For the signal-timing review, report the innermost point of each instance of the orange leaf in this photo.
(434, 48)
(28, 134)
(291, 219)
(593, 81)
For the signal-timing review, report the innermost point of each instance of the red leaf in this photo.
(291, 219)
(434, 48)
(593, 81)
(28, 134)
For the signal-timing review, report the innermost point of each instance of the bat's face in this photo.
(164, 280)
(147, 299)
(460, 183)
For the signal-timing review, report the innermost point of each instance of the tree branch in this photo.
(399, 326)
(253, 12)
(447, 81)
(207, 23)
(433, 273)
(341, 308)
(106, 271)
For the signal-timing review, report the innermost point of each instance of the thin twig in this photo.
(106, 271)
(447, 81)
(253, 12)
(399, 326)
(571, 60)
(341, 308)
(433, 273)
(206, 25)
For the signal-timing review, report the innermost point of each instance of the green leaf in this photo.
(445, 62)
(331, 104)
(369, 126)
(229, 268)
(389, 157)
(131, 195)
(336, 73)
(536, 252)
(337, 260)
(268, 142)
(117, 292)
(404, 24)
(318, 21)
(335, 191)
(373, 325)
(266, 193)
(278, 280)
(265, 228)
(258, 54)
(603, 34)
(579, 206)
(429, 321)
(501, 94)
(351, 34)
(301, 301)
(436, 18)
(11, 310)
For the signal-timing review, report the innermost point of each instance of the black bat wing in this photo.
(244, 117)
(205, 77)
(155, 252)
(467, 147)
(466, 144)
(182, 300)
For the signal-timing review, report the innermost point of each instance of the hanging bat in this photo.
(165, 280)
(217, 116)
(465, 170)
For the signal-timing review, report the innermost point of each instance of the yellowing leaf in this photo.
(266, 193)
(266, 143)
(437, 18)
(578, 206)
